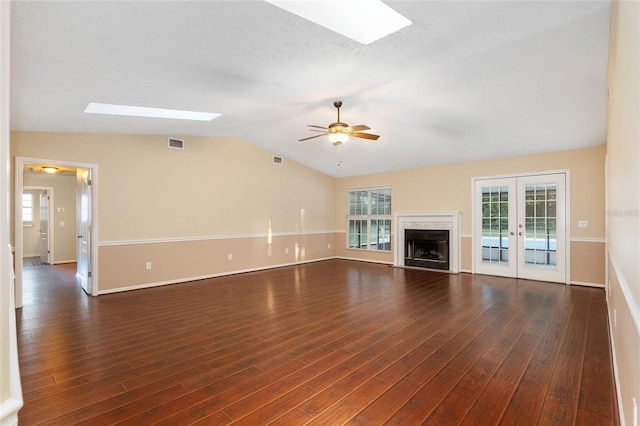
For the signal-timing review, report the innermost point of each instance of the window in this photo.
(369, 219)
(27, 207)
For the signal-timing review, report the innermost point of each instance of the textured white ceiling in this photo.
(469, 80)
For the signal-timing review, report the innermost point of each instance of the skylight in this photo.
(136, 111)
(364, 21)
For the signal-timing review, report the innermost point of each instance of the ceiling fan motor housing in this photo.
(338, 127)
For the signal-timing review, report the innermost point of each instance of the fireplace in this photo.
(427, 248)
(443, 221)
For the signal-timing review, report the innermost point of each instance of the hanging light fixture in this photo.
(338, 138)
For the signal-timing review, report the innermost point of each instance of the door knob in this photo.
(79, 236)
(512, 233)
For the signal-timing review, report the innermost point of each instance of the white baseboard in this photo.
(59, 262)
(634, 311)
(585, 284)
(616, 376)
(357, 259)
(9, 408)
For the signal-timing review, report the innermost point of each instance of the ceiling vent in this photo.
(176, 143)
(277, 160)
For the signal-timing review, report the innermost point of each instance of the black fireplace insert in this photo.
(426, 248)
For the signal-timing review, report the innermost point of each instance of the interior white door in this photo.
(520, 227)
(45, 248)
(84, 221)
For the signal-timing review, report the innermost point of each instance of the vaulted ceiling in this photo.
(468, 80)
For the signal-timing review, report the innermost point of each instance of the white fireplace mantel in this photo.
(428, 220)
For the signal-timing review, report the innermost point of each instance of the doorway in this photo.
(520, 227)
(37, 232)
(88, 240)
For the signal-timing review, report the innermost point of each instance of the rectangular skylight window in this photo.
(135, 111)
(364, 21)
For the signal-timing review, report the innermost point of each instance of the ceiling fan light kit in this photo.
(338, 138)
(339, 132)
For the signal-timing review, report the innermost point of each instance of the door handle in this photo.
(79, 236)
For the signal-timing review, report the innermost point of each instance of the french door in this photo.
(520, 227)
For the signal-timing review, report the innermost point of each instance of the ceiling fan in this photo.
(339, 132)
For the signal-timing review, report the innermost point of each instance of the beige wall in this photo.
(64, 214)
(218, 189)
(446, 188)
(178, 261)
(216, 186)
(623, 200)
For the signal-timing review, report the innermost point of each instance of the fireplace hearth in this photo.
(427, 248)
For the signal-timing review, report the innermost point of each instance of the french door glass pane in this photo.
(540, 225)
(495, 223)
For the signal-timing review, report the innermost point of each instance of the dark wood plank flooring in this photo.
(327, 343)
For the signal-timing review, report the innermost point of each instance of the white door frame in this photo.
(20, 162)
(474, 207)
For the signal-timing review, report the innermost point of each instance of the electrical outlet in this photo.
(286, 251)
(582, 223)
(230, 256)
(62, 224)
(148, 265)
(329, 245)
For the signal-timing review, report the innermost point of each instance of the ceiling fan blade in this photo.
(318, 127)
(358, 128)
(364, 135)
(312, 137)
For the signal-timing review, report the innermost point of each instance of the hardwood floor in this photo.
(327, 343)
